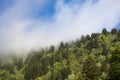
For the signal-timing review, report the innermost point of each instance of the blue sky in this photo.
(4, 4)
(30, 24)
(47, 11)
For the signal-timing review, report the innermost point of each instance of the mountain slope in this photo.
(94, 57)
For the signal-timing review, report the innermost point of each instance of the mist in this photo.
(21, 32)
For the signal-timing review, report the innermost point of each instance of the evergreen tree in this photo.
(104, 31)
(90, 70)
(115, 65)
(52, 48)
(113, 31)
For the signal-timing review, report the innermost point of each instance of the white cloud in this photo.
(69, 22)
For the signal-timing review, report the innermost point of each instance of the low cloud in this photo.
(21, 33)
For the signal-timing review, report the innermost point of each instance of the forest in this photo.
(90, 57)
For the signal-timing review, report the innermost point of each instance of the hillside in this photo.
(92, 57)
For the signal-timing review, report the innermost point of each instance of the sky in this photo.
(31, 24)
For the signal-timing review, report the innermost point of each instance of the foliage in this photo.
(95, 57)
(115, 64)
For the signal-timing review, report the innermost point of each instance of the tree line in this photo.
(90, 57)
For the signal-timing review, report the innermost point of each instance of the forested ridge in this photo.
(90, 57)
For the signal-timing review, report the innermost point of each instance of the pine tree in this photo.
(90, 70)
(104, 31)
(113, 31)
(115, 65)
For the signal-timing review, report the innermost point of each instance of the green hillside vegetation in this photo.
(92, 57)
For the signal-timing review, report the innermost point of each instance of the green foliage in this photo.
(115, 64)
(104, 31)
(91, 70)
(95, 57)
(113, 31)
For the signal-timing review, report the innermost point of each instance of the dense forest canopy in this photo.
(91, 57)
